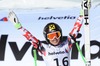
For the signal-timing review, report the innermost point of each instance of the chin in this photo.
(55, 44)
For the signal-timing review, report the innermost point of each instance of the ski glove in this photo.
(13, 18)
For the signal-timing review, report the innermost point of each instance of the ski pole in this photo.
(35, 57)
(80, 52)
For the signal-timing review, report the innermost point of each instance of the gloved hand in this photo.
(36, 45)
(13, 18)
(73, 37)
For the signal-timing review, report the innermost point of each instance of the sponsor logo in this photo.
(56, 53)
(56, 17)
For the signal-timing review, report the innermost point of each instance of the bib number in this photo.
(64, 61)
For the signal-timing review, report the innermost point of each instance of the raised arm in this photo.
(14, 19)
(74, 32)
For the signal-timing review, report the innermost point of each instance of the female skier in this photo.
(56, 52)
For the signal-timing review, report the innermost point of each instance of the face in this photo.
(55, 41)
(54, 37)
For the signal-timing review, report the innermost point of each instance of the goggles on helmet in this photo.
(51, 36)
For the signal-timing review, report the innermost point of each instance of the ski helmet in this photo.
(50, 28)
